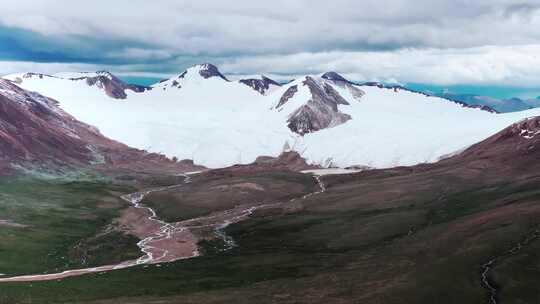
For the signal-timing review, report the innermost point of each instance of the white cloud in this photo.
(443, 42)
(490, 65)
(506, 65)
(221, 27)
(141, 54)
(13, 67)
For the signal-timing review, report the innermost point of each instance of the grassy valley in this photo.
(369, 239)
(59, 224)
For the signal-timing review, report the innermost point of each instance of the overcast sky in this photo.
(441, 42)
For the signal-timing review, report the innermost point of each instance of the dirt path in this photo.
(163, 242)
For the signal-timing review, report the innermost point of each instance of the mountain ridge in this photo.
(328, 119)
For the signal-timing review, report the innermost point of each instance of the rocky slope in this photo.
(320, 111)
(36, 134)
(32, 129)
(517, 146)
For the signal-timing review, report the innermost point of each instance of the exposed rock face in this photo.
(208, 70)
(112, 85)
(287, 95)
(334, 76)
(260, 85)
(320, 112)
(341, 82)
(309, 119)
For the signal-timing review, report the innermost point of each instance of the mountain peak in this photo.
(206, 70)
(334, 76)
(261, 85)
(107, 74)
(113, 86)
(320, 110)
(269, 80)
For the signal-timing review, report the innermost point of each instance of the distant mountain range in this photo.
(203, 116)
(500, 105)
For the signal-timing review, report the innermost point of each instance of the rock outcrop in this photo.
(262, 85)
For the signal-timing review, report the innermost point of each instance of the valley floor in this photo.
(404, 235)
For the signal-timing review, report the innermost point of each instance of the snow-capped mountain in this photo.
(110, 84)
(201, 115)
(312, 103)
(264, 85)
(193, 74)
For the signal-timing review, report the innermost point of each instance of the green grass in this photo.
(358, 254)
(59, 215)
(201, 198)
(481, 198)
(515, 273)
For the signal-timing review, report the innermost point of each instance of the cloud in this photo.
(219, 27)
(511, 65)
(140, 54)
(517, 66)
(444, 41)
(13, 67)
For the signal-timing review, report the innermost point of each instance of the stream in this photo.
(486, 268)
(169, 242)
